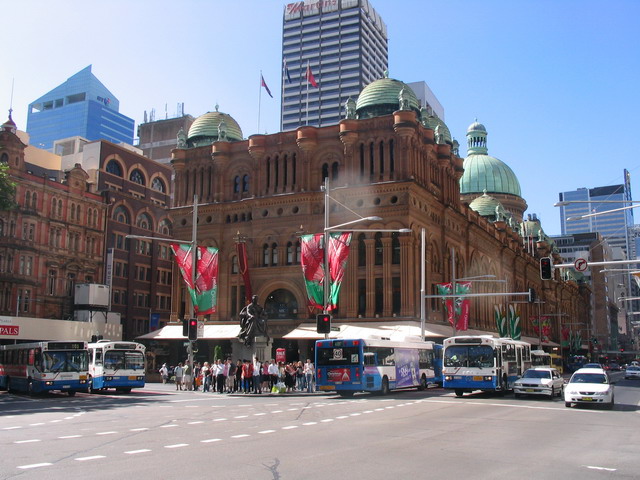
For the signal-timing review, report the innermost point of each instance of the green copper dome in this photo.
(486, 205)
(483, 172)
(433, 122)
(380, 97)
(205, 129)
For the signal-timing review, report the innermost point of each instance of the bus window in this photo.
(370, 359)
(98, 360)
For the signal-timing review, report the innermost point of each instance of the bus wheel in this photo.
(459, 393)
(423, 383)
(124, 389)
(384, 390)
(72, 393)
(345, 393)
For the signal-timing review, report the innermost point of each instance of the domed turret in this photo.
(486, 206)
(380, 97)
(211, 127)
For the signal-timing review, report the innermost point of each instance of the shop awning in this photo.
(211, 332)
(536, 341)
(396, 330)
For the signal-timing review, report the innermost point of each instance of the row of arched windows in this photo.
(136, 176)
(122, 215)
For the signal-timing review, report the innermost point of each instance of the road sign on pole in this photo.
(580, 264)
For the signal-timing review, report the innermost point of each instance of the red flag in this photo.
(264, 84)
(310, 78)
(243, 266)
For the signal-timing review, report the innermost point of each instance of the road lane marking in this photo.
(134, 452)
(105, 433)
(342, 416)
(177, 445)
(267, 431)
(355, 414)
(69, 436)
(195, 423)
(241, 416)
(310, 423)
(168, 426)
(327, 420)
(94, 457)
(258, 414)
(27, 441)
(289, 427)
(219, 419)
(275, 411)
(210, 440)
(36, 424)
(35, 465)
(11, 428)
(240, 436)
(139, 429)
(601, 468)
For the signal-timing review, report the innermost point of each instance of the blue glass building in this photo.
(81, 106)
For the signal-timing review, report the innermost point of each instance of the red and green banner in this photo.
(312, 251)
(501, 321)
(204, 294)
(514, 322)
(542, 327)
(458, 311)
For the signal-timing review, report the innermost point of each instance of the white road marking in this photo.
(70, 436)
(177, 445)
(34, 465)
(275, 411)
(267, 431)
(258, 414)
(194, 423)
(289, 427)
(55, 421)
(94, 457)
(134, 452)
(601, 468)
(240, 436)
(241, 416)
(342, 416)
(36, 424)
(355, 414)
(368, 411)
(168, 426)
(292, 409)
(105, 433)
(210, 440)
(310, 423)
(27, 441)
(327, 420)
(139, 429)
(219, 419)
(11, 428)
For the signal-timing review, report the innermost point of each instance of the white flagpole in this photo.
(259, 101)
(284, 79)
(307, 108)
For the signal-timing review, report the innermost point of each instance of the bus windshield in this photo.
(65, 361)
(338, 356)
(479, 356)
(119, 359)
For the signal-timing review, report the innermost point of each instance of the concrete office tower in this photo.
(81, 106)
(341, 45)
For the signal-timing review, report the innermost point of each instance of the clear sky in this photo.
(556, 83)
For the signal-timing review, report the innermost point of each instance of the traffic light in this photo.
(323, 323)
(185, 327)
(532, 296)
(193, 329)
(546, 268)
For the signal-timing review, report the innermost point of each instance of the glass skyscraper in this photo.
(81, 106)
(342, 45)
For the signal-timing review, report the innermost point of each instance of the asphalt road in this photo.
(163, 434)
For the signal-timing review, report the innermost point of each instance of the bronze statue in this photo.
(253, 321)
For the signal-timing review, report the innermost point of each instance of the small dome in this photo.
(432, 122)
(380, 97)
(487, 173)
(486, 205)
(476, 127)
(204, 130)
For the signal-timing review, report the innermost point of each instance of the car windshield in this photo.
(635, 369)
(588, 378)
(536, 374)
(592, 365)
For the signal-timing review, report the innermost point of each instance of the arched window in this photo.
(298, 252)
(274, 254)
(290, 253)
(234, 264)
(90, 217)
(325, 171)
(236, 184)
(34, 201)
(4, 158)
(144, 221)
(27, 199)
(378, 249)
(73, 211)
(381, 158)
(395, 248)
(266, 255)
(362, 251)
(245, 184)
(120, 214)
(158, 185)
(392, 159)
(114, 168)
(59, 208)
(164, 227)
(78, 213)
(137, 177)
(335, 170)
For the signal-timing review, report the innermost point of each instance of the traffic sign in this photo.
(580, 264)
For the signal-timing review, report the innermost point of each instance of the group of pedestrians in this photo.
(243, 376)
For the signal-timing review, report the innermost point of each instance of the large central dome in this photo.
(380, 97)
(205, 129)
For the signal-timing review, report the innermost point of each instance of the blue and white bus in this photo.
(44, 366)
(484, 363)
(347, 366)
(118, 365)
(437, 363)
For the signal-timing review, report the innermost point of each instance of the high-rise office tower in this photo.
(81, 106)
(614, 227)
(331, 50)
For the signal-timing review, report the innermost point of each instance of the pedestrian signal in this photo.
(323, 323)
(193, 329)
(546, 268)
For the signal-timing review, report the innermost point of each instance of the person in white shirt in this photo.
(178, 372)
(257, 368)
(308, 373)
(164, 373)
(273, 374)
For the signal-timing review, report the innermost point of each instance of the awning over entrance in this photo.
(536, 341)
(211, 332)
(397, 330)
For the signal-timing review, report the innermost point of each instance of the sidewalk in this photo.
(171, 387)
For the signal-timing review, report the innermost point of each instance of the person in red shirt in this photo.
(247, 376)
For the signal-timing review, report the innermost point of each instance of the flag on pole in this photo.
(204, 294)
(286, 71)
(462, 305)
(243, 269)
(310, 78)
(264, 84)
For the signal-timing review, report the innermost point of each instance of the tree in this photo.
(7, 189)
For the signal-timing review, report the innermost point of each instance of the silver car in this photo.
(632, 372)
(589, 385)
(539, 381)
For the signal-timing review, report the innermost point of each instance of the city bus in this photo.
(44, 366)
(483, 362)
(437, 363)
(118, 365)
(540, 358)
(378, 365)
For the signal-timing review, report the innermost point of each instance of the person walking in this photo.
(219, 376)
(164, 373)
(186, 376)
(179, 372)
(257, 370)
(309, 372)
(206, 377)
(237, 384)
(273, 374)
(230, 375)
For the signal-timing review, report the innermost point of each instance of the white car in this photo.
(589, 385)
(539, 381)
(632, 372)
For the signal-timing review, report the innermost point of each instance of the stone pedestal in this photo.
(260, 349)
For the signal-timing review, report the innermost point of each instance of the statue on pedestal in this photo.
(253, 321)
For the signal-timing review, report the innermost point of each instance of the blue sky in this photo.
(556, 83)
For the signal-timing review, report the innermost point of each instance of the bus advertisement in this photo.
(118, 365)
(44, 366)
(347, 366)
(484, 363)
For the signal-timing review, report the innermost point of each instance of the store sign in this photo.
(13, 330)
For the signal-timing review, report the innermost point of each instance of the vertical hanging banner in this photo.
(565, 334)
(514, 322)
(312, 250)
(243, 269)
(445, 289)
(204, 294)
(501, 320)
(312, 255)
(462, 305)
(546, 328)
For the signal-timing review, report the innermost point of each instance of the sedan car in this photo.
(589, 385)
(539, 381)
(632, 372)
